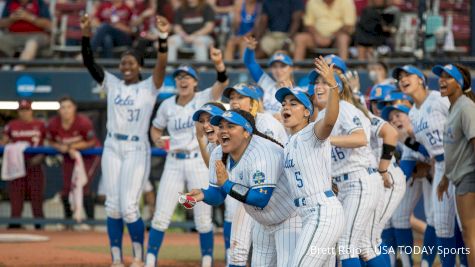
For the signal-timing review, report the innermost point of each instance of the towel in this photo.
(13, 165)
(78, 181)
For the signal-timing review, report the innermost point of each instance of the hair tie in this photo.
(468, 90)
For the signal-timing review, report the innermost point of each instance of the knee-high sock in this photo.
(227, 234)
(351, 262)
(378, 261)
(389, 245)
(447, 259)
(115, 230)
(155, 240)
(136, 231)
(430, 241)
(404, 238)
(206, 243)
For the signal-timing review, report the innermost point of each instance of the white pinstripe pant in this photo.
(359, 196)
(241, 236)
(125, 168)
(444, 211)
(323, 224)
(273, 245)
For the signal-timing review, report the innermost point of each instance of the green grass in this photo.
(168, 252)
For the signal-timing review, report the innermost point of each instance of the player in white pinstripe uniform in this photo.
(183, 164)
(359, 186)
(310, 184)
(428, 116)
(249, 167)
(415, 187)
(383, 143)
(126, 156)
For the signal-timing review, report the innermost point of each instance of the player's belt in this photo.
(439, 158)
(372, 170)
(184, 155)
(124, 137)
(304, 201)
(346, 176)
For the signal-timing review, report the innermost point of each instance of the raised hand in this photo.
(85, 24)
(326, 71)
(250, 42)
(216, 55)
(221, 173)
(163, 25)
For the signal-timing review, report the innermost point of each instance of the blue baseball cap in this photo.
(234, 118)
(409, 69)
(392, 96)
(380, 91)
(451, 70)
(280, 57)
(242, 89)
(207, 108)
(312, 78)
(186, 69)
(387, 110)
(299, 94)
(258, 89)
(339, 63)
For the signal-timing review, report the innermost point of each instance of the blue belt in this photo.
(300, 202)
(345, 177)
(124, 137)
(184, 155)
(372, 170)
(439, 158)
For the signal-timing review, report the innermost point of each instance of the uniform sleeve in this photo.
(265, 171)
(205, 96)
(161, 118)
(87, 130)
(110, 82)
(350, 121)
(150, 85)
(266, 82)
(308, 135)
(467, 115)
(377, 124)
(349, 13)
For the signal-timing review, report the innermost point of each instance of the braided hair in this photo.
(248, 116)
(467, 81)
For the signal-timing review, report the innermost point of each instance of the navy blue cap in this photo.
(242, 89)
(451, 70)
(299, 94)
(234, 118)
(186, 69)
(280, 57)
(387, 110)
(409, 69)
(207, 108)
(312, 78)
(380, 91)
(339, 63)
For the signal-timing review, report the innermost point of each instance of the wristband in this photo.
(163, 35)
(222, 76)
(381, 172)
(162, 45)
(388, 151)
(412, 144)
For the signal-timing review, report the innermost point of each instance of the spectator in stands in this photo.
(194, 24)
(244, 18)
(378, 73)
(222, 7)
(277, 25)
(27, 129)
(144, 21)
(70, 132)
(27, 23)
(328, 23)
(372, 29)
(113, 20)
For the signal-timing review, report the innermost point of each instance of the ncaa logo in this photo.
(206, 108)
(227, 114)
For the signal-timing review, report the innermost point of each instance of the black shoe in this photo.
(13, 226)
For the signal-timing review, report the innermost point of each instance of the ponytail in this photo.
(347, 95)
(467, 81)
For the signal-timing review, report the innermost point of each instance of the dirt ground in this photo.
(70, 248)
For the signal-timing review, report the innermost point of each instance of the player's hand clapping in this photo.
(250, 42)
(221, 173)
(85, 24)
(326, 71)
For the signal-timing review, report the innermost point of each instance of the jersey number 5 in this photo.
(133, 114)
(298, 178)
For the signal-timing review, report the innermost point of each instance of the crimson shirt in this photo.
(36, 7)
(32, 132)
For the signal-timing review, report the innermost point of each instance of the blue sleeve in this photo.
(258, 197)
(214, 196)
(423, 151)
(407, 167)
(251, 64)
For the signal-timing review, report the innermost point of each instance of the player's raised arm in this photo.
(96, 71)
(222, 80)
(159, 70)
(325, 126)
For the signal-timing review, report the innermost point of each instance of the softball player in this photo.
(183, 164)
(126, 156)
(281, 67)
(248, 166)
(428, 117)
(310, 185)
(359, 186)
(398, 117)
(377, 94)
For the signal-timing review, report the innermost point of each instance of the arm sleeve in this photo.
(214, 196)
(258, 197)
(468, 121)
(160, 120)
(94, 69)
(407, 167)
(251, 64)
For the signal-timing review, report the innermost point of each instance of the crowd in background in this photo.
(296, 26)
